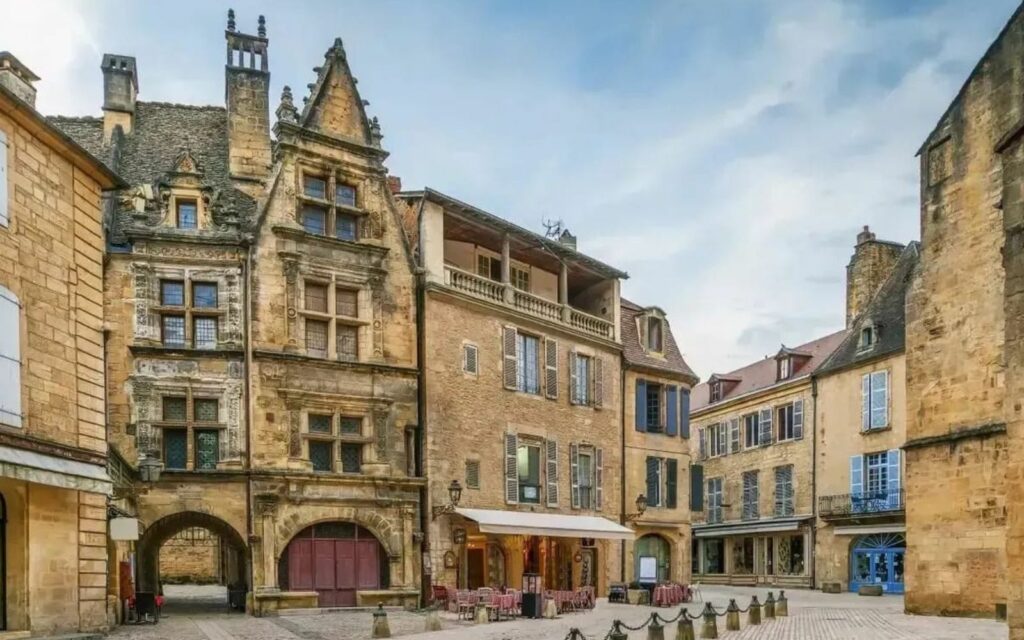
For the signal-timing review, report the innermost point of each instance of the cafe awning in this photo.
(42, 468)
(775, 525)
(525, 523)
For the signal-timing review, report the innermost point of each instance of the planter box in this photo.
(831, 587)
(638, 596)
(869, 590)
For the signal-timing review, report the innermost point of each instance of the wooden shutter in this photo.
(671, 410)
(511, 468)
(599, 477)
(573, 396)
(734, 435)
(684, 413)
(509, 343)
(703, 444)
(641, 405)
(780, 491)
(552, 473)
(469, 359)
(893, 472)
(865, 402)
(696, 488)
(856, 475)
(10, 358)
(798, 419)
(551, 368)
(723, 435)
(653, 497)
(598, 397)
(765, 427)
(574, 474)
(5, 216)
(671, 480)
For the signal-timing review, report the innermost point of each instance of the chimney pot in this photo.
(865, 236)
(395, 184)
(17, 78)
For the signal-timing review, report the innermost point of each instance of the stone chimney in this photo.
(395, 184)
(120, 86)
(247, 94)
(17, 78)
(872, 262)
(567, 240)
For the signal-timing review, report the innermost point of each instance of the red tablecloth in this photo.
(668, 595)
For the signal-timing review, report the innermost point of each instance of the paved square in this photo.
(813, 616)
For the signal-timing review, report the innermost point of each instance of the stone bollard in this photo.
(709, 628)
(617, 633)
(380, 623)
(433, 621)
(782, 605)
(732, 616)
(655, 630)
(769, 606)
(481, 615)
(550, 609)
(754, 614)
(684, 631)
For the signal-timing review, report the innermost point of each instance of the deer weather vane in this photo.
(553, 228)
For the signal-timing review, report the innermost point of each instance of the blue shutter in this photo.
(893, 463)
(653, 481)
(641, 405)
(856, 476)
(671, 410)
(696, 488)
(684, 413)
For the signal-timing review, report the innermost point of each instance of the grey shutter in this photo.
(552, 473)
(765, 427)
(10, 358)
(723, 443)
(573, 396)
(780, 491)
(551, 368)
(671, 480)
(798, 419)
(5, 216)
(696, 488)
(469, 359)
(574, 475)
(640, 406)
(865, 402)
(599, 477)
(684, 413)
(703, 444)
(509, 344)
(734, 435)
(511, 468)
(671, 410)
(653, 464)
(598, 399)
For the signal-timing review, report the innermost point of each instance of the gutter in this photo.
(247, 339)
(814, 479)
(622, 470)
(421, 431)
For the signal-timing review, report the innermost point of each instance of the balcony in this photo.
(528, 303)
(867, 506)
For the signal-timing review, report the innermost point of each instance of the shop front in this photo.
(776, 554)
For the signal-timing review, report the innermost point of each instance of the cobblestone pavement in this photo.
(195, 613)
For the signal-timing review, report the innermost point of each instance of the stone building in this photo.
(521, 393)
(53, 442)
(262, 349)
(964, 352)
(656, 444)
(860, 426)
(753, 491)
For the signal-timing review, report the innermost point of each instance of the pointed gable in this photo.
(334, 107)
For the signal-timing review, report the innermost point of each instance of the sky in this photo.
(725, 154)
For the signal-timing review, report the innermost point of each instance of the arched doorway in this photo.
(335, 559)
(652, 559)
(878, 559)
(232, 559)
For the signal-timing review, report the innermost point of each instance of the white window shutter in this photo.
(599, 476)
(765, 427)
(879, 399)
(734, 435)
(511, 468)
(552, 473)
(5, 215)
(573, 396)
(10, 358)
(598, 397)
(551, 368)
(574, 474)
(798, 419)
(865, 402)
(509, 344)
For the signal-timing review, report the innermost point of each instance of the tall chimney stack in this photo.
(17, 78)
(120, 86)
(872, 262)
(247, 94)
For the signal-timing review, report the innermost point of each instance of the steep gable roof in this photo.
(334, 107)
(672, 363)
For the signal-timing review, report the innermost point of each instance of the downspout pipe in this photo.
(247, 337)
(421, 433)
(814, 479)
(622, 468)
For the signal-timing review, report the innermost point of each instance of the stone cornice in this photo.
(39, 445)
(984, 431)
(299, 358)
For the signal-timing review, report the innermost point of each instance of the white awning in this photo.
(770, 526)
(525, 523)
(41, 468)
(868, 529)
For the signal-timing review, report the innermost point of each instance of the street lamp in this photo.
(641, 506)
(454, 495)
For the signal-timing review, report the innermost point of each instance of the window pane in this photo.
(316, 338)
(175, 448)
(653, 407)
(346, 303)
(348, 341)
(316, 297)
(204, 295)
(204, 333)
(520, 279)
(345, 226)
(654, 334)
(321, 454)
(351, 426)
(314, 220)
(351, 458)
(172, 293)
(320, 423)
(528, 369)
(205, 409)
(529, 473)
(174, 330)
(207, 451)
(314, 187)
(344, 194)
(583, 379)
(174, 409)
(186, 214)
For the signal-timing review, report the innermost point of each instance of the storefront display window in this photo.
(714, 555)
(791, 555)
(743, 556)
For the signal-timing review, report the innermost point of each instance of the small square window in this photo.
(351, 458)
(867, 337)
(351, 426)
(314, 187)
(174, 409)
(205, 409)
(346, 303)
(204, 333)
(204, 295)
(316, 297)
(316, 338)
(320, 423)
(173, 330)
(321, 454)
(314, 220)
(345, 195)
(345, 227)
(348, 341)
(172, 293)
(186, 214)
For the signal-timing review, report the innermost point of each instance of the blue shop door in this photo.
(878, 559)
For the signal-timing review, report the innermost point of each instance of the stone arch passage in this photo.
(652, 553)
(148, 570)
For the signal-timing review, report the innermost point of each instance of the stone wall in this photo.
(184, 561)
(870, 265)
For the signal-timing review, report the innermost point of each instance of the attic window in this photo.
(185, 213)
(868, 337)
(716, 391)
(655, 339)
(785, 367)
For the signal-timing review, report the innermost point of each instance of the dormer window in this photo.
(785, 368)
(655, 337)
(716, 391)
(868, 337)
(186, 213)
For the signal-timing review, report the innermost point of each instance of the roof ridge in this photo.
(179, 105)
(63, 118)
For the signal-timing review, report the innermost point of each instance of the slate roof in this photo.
(887, 311)
(762, 374)
(635, 354)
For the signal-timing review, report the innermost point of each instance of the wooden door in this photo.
(475, 568)
(334, 568)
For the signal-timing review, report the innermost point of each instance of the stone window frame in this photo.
(334, 281)
(186, 194)
(190, 425)
(334, 175)
(336, 437)
(467, 349)
(188, 310)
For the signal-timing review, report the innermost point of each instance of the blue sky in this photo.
(724, 153)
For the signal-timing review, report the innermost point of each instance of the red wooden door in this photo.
(323, 572)
(300, 565)
(368, 564)
(345, 571)
(334, 567)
